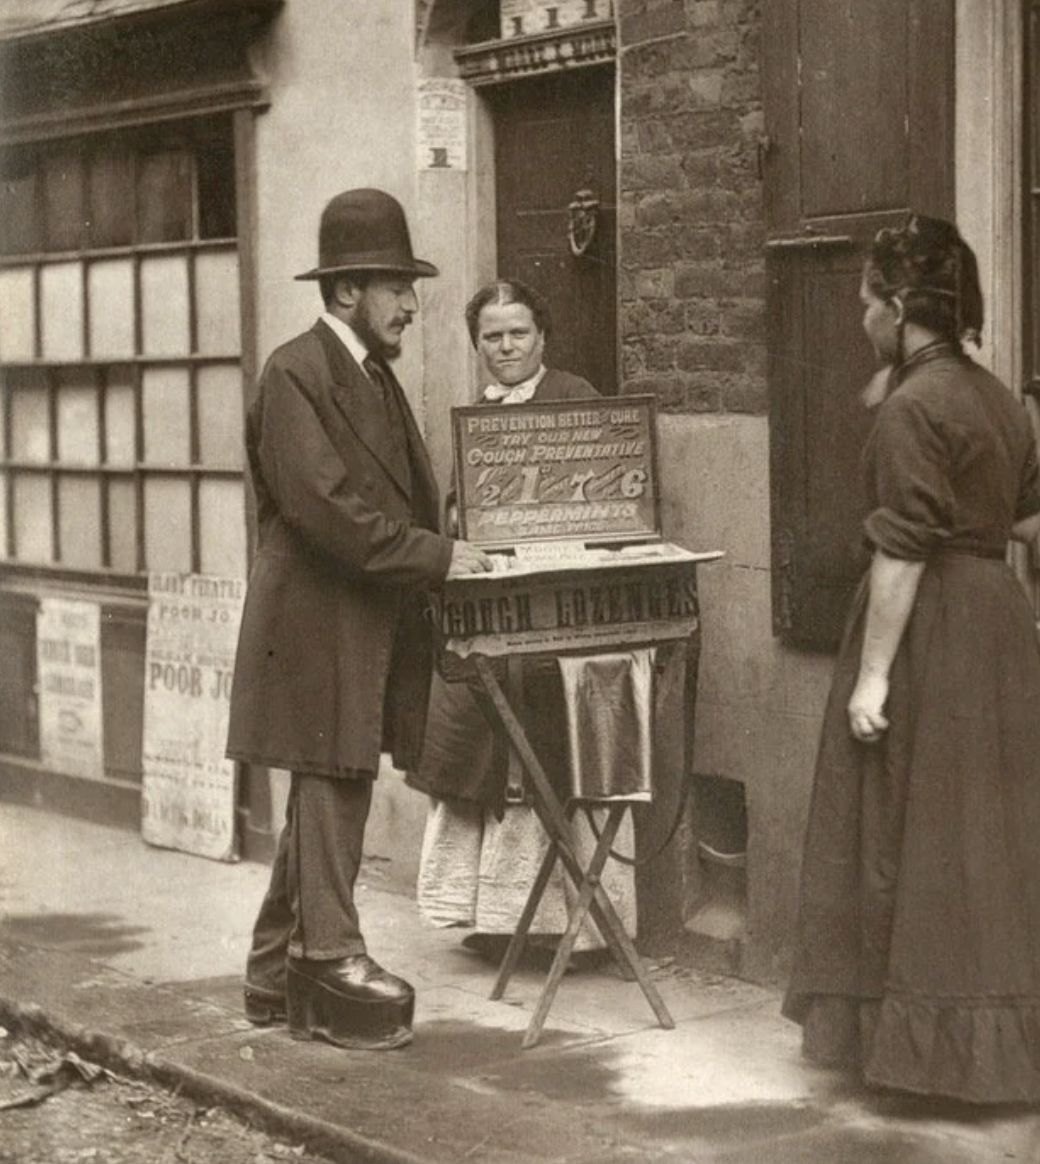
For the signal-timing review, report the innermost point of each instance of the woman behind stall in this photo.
(480, 854)
(918, 951)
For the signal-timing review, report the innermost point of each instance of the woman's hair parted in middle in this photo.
(931, 270)
(501, 293)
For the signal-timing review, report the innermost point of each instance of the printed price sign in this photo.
(188, 796)
(584, 471)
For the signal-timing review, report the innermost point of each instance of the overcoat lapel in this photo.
(354, 395)
(425, 495)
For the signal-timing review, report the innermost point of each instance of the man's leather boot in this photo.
(264, 1006)
(350, 1002)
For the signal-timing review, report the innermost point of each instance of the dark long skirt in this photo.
(919, 929)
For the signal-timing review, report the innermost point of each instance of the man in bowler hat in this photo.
(334, 654)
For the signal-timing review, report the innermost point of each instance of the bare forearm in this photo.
(1026, 529)
(893, 588)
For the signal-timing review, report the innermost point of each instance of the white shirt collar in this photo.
(349, 337)
(517, 393)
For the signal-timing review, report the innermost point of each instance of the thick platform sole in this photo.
(264, 1008)
(317, 1012)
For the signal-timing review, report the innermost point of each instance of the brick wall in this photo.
(691, 264)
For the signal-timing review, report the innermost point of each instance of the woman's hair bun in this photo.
(928, 266)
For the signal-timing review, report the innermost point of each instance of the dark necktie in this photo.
(383, 382)
(379, 374)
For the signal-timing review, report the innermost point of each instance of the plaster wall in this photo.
(342, 115)
(759, 704)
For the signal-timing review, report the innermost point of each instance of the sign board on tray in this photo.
(573, 470)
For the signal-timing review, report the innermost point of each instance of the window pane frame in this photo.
(212, 143)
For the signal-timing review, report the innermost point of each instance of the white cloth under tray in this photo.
(477, 871)
(610, 724)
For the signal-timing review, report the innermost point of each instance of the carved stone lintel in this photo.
(545, 52)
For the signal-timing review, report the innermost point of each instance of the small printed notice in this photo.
(68, 660)
(551, 552)
(442, 124)
(188, 799)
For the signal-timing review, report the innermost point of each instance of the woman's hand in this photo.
(893, 589)
(867, 720)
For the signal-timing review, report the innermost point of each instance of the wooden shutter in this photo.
(859, 131)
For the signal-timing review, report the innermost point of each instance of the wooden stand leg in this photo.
(557, 825)
(578, 913)
(607, 932)
(516, 942)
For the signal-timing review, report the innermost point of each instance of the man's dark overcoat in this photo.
(333, 632)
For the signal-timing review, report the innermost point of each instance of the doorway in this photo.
(554, 147)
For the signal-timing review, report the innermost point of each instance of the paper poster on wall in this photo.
(188, 796)
(442, 124)
(526, 17)
(68, 661)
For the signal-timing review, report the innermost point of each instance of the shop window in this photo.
(167, 522)
(122, 510)
(111, 219)
(217, 214)
(20, 221)
(167, 422)
(79, 530)
(30, 421)
(63, 201)
(17, 314)
(110, 292)
(78, 423)
(119, 421)
(164, 200)
(220, 417)
(120, 353)
(61, 312)
(33, 517)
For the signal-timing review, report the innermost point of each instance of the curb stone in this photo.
(338, 1145)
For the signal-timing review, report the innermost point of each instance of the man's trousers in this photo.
(309, 910)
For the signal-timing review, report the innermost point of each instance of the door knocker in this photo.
(582, 216)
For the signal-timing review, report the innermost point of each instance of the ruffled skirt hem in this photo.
(982, 1051)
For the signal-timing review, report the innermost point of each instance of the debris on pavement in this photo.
(31, 1071)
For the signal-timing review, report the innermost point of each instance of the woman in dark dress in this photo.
(918, 950)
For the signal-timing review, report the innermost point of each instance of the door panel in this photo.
(859, 112)
(554, 136)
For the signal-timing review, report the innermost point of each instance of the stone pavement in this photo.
(135, 955)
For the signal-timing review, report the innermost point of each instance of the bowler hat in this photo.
(365, 230)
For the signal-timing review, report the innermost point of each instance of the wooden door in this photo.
(555, 136)
(859, 131)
